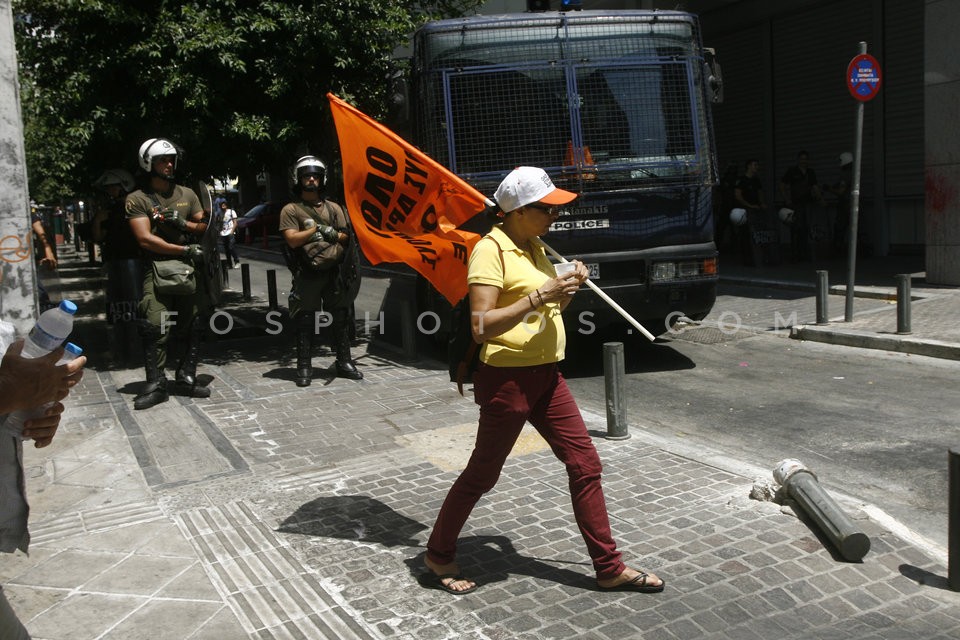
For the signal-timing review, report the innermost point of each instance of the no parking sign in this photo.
(864, 77)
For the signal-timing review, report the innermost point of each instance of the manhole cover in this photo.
(705, 335)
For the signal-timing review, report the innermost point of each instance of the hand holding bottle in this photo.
(40, 421)
(33, 382)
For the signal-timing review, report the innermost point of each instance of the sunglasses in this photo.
(547, 209)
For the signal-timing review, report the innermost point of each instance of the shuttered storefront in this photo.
(785, 90)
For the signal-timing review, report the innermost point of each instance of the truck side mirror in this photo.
(713, 75)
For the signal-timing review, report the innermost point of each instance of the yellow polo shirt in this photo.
(540, 337)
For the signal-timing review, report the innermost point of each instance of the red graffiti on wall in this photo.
(940, 192)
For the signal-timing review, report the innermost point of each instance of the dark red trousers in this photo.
(508, 398)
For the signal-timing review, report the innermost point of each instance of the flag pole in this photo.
(600, 292)
(616, 307)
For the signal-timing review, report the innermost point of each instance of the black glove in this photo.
(193, 253)
(326, 233)
(172, 216)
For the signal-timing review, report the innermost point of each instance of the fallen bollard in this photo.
(802, 486)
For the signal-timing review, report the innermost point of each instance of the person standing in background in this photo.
(228, 235)
(800, 192)
(841, 189)
(121, 257)
(748, 195)
(45, 253)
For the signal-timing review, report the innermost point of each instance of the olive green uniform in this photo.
(332, 290)
(154, 307)
(318, 290)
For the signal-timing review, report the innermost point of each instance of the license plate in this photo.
(594, 269)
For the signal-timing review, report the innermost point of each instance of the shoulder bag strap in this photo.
(474, 346)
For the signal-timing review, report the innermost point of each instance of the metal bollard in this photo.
(408, 336)
(903, 303)
(823, 290)
(613, 374)
(272, 289)
(802, 485)
(953, 516)
(245, 278)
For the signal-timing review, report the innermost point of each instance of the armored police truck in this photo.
(615, 106)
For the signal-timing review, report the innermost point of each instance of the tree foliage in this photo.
(239, 84)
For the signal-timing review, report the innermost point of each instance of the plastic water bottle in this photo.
(52, 329)
(13, 425)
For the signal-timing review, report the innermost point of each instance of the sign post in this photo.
(863, 82)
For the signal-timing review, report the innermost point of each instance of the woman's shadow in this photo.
(485, 559)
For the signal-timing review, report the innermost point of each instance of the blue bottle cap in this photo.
(73, 350)
(68, 306)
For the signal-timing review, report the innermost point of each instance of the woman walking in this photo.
(516, 300)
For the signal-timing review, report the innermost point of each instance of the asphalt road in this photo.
(873, 425)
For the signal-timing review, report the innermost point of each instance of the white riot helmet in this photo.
(119, 177)
(786, 215)
(738, 216)
(308, 165)
(846, 158)
(154, 148)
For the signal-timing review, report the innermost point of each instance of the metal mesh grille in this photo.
(603, 104)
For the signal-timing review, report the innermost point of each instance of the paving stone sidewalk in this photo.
(279, 512)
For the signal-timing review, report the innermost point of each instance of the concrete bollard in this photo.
(272, 289)
(408, 335)
(802, 486)
(823, 290)
(245, 278)
(903, 303)
(613, 374)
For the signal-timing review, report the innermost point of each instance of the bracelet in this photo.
(540, 298)
(530, 300)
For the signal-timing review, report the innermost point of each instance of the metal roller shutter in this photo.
(902, 95)
(739, 121)
(812, 107)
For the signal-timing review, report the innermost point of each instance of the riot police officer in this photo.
(167, 221)
(325, 264)
(121, 258)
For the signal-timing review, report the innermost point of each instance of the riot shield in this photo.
(212, 272)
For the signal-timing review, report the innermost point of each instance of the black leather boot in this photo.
(346, 368)
(186, 381)
(304, 351)
(156, 389)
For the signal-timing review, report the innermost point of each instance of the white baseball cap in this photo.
(526, 185)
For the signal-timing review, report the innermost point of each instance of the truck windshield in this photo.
(609, 105)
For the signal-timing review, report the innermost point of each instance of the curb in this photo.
(867, 340)
(876, 293)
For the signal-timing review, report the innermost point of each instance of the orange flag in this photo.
(403, 205)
